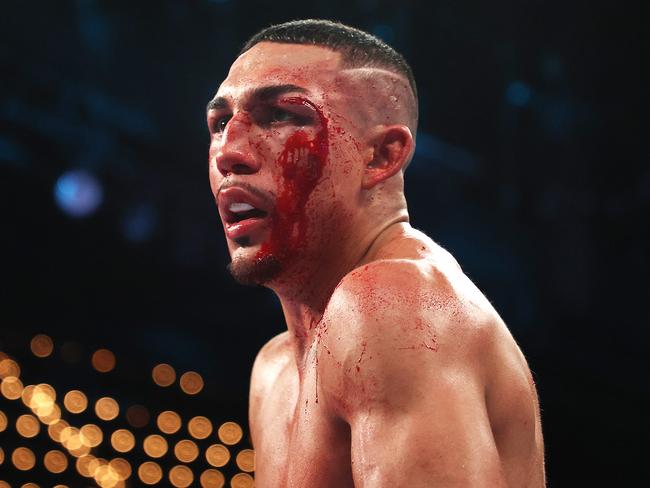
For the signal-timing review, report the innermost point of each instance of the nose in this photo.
(234, 155)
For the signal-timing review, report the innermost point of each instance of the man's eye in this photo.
(279, 115)
(220, 124)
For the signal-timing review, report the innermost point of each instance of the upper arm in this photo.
(412, 395)
(269, 362)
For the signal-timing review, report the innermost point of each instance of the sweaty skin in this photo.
(394, 371)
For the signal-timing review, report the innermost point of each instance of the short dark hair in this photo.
(358, 48)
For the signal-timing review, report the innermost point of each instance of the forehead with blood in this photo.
(301, 164)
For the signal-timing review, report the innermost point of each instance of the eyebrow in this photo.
(263, 93)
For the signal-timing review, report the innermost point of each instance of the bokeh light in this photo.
(163, 375)
(199, 427)
(91, 435)
(103, 360)
(78, 193)
(3, 421)
(191, 382)
(211, 478)
(155, 446)
(75, 401)
(122, 440)
(186, 451)
(9, 367)
(150, 473)
(217, 455)
(28, 426)
(137, 416)
(242, 480)
(106, 408)
(246, 460)
(41, 345)
(181, 476)
(230, 433)
(11, 388)
(169, 422)
(55, 461)
(23, 458)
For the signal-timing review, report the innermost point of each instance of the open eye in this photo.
(219, 124)
(280, 115)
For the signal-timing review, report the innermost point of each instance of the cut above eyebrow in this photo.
(263, 93)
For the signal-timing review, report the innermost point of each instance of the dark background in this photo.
(531, 168)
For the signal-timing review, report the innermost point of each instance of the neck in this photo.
(304, 300)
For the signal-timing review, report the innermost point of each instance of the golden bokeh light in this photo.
(86, 465)
(163, 375)
(191, 382)
(23, 458)
(211, 478)
(28, 426)
(11, 387)
(230, 433)
(137, 416)
(106, 408)
(91, 435)
(106, 477)
(181, 476)
(75, 401)
(9, 367)
(54, 429)
(41, 345)
(150, 473)
(199, 427)
(3, 421)
(169, 422)
(242, 480)
(217, 455)
(122, 467)
(55, 461)
(4, 484)
(26, 395)
(74, 441)
(2, 456)
(186, 451)
(41, 399)
(30, 485)
(155, 446)
(246, 460)
(52, 416)
(122, 440)
(82, 450)
(103, 360)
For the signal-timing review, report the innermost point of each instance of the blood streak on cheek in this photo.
(301, 161)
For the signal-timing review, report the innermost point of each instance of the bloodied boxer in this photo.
(394, 371)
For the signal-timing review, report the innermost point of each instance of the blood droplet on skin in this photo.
(301, 162)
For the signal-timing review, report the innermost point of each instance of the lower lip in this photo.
(244, 227)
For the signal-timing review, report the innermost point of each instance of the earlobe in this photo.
(392, 150)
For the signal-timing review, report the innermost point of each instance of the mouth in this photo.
(242, 212)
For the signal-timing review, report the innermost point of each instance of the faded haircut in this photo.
(358, 48)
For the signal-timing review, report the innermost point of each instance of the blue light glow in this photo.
(78, 193)
(518, 93)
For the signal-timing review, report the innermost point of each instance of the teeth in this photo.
(240, 207)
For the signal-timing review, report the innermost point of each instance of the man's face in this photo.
(285, 158)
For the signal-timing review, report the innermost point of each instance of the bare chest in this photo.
(298, 443)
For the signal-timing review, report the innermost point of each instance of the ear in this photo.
(392, 150)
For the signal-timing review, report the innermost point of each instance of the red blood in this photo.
(302, 162)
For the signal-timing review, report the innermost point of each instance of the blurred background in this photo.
(531, 168)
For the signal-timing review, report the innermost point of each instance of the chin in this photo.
(252, 271)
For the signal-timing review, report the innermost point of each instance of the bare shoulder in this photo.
(269, 362)
(394, 316)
